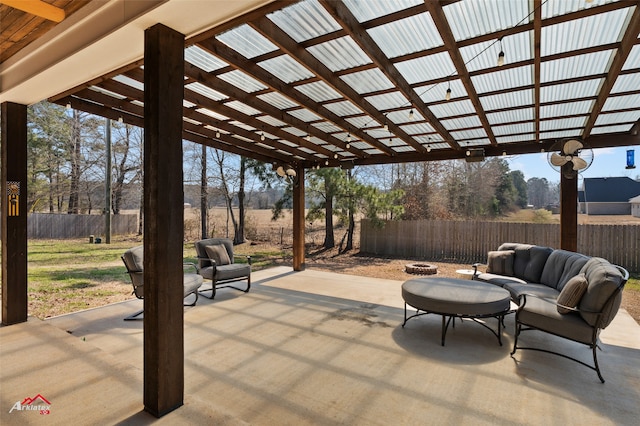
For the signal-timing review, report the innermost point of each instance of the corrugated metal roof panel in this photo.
(243, 108)
(404, 148)
(437, 92)
(368, 10)
(418, 128)
(470, 19)
(564, 109)
(469, 134)
(286, 69)
(242, 81)
(513, 129)
(305, 115)
(578, 89)
(247, 41)
(575, 66)
(206, 91)
(611, 129)
(388, 101)
(560, 134)
(618, 117)
(304, 20)
(589, 31)
(326, 127)
(633, 60)
(362, 122)
(507, 100)
(343, 108)
(626, 83)
(431, 140)
(107, 92)
(462, 122)
(367, 81)
(278, 100)
(516, 47)
(621, 102)
(243, 126)
(129, 82)
(413, 34)
(510, 116)
(340, 54)
(503, 80)
(426, 68)
(295, 131)
(452, 108)
(215, 115)
(516, 138)
(272, 121)
(319, 91)
(203, 59)
(475, 142)
(563, 123)
(553, 8)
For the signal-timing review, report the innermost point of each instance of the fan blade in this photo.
(558, 160)
(579, 163)
(572, 146)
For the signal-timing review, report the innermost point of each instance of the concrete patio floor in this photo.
(316, 348)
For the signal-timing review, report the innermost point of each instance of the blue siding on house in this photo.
(610, 189)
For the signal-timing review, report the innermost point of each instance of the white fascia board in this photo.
(101, 37)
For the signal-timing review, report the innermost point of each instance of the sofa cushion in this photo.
(218, 253)
(571, 293)
(560, 267)
(499, 280)
(234, 270)
(604, 292)
(541, 290)
(528, 261)
(543, 314)
(500, 262)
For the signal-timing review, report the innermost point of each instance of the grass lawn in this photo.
(70, 275)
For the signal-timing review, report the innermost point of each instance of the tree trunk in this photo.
(239, 232)
(329, 241)
(204, 200)
(74, 188)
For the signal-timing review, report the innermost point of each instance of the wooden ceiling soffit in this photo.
(281, 39)
(626, 44)
(251, 68)
(350, 24)
(234, 92)
(439, 19)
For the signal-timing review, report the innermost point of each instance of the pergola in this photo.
(311, 83)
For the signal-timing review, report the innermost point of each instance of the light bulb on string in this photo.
(501, 55)
(217, 133)
(447, 95)
(411, 114)
(262, 136)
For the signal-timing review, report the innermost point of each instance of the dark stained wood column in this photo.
(163, 220)
(298, 222)
(14, 213)
(568, 208)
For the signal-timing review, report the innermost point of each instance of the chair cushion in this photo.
(561, 266)
(191, 283)
(543, 314)
(499, 280)
(500, 262)
(571, 293)
(529, 260)
(234, 270)
(218, 253)
(603, 294)
(541, 290)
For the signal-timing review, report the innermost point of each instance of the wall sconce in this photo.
(289, 174)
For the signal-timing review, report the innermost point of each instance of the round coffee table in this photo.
(456, 298)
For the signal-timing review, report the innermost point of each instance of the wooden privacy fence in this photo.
(45, 225)
(469, 241)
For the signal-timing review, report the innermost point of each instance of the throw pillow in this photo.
(218, 253)
(571, 293)
(500, 262)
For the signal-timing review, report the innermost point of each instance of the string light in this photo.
(68, 105)
(326, 163)
(262, 136)
(217, 133)
(411, 114)
(308, 137)
(120, 119)
(447, 95)
(501, 55)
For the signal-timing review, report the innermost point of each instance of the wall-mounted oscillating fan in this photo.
(570, 151)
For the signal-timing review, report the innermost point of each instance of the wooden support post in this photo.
(14, 213)
(163, 220)
(568, 208)
(298, 221)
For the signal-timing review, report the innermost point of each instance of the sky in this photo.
(607, 162)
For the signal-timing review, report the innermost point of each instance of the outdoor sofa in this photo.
(216, 262)
(557, 291)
